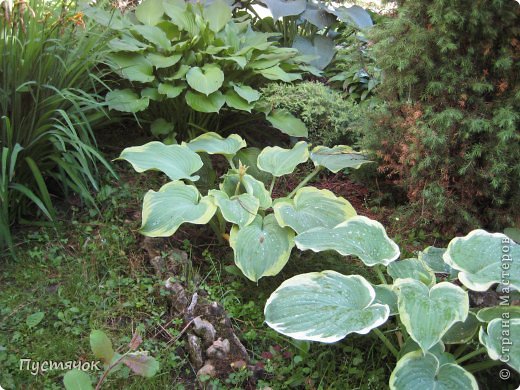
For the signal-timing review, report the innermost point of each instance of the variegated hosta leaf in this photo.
(411, 268)
(249, 184)
(239, 209)
(385, 295)
(484, 259)
(213, 143)
(502, 341)
(488, 314)
(337, 158)
(462, 332)
(417, 371)
(359, 236)
(427, 313)
(439, 350)
(324, 306)
(279, 162)
(262, 248)
(174, 204)
(312, 208)
(176, 161)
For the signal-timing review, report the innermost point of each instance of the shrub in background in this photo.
(449, 133)
(49, 104)
(327, 115)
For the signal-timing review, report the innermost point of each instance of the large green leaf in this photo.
(142, 364)
(234, 100)
(246, 92)
(171, 91)
(278, 161)
(127, 43)
(206, 80)
(324, 306)
(502, 340)
(176, 161)
(218, 14)
(213, 143)
(77, 380)
(202, 103)
(150, 12)
(161, 127)
(134, 66)
(427, 313)
(262, 248)
(337, 158)
(276, 73)
(411, 268)
(126, 100)
(174, 204)
(484, 259)
(416, 371)
(312, 208)
(359, 236)
(240, 209)
(321, 49)
(154, 35)
(162, 61)
(101, 346)
(286, 122)
(281, 8)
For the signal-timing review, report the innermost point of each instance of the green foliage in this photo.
(49, 104)
(329, 117)
(261, 241)
(449, 132)
(185, 63)
(327, 306)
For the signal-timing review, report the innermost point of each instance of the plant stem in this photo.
(482, 365)
(460, 350)
(380, 274)
(471, 355)
(309, 177)
(387, 343)
(271, 187)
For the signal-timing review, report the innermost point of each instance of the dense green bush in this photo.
(326, 113)
(449, 133)
(49, 105)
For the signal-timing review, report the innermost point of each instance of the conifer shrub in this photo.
(449, 131)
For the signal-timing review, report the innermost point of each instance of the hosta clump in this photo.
(262, 231)
(432, 316)
(185, 62)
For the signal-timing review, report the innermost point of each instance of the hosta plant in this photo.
(186, 62)
(261, 231)
(139, 362)
(424, 314)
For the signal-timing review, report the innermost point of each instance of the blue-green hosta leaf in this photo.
(150, 12)
(312, 208)
(432, 257)
(359, 236)
(276, 73)
(77, 380)
(262, 248)
(174, 204)
(171, 91)
(127, 43)
(240, 209)
(206, 80)
(484, 259)
(152, 94)
(249, 184)
(488, 314)
(101, 346)
(337, 158)
(427, 313)
(417, 371)
(321, 49)
(218, 14)
(126, 100)
(319, 16)
(176, 161)
(463, 331)
(247, 93)
(154, 35)
(385, 295)
(142, 364)
(162, 61)
(202, 103)
(213, 143)
(134, 66)
(288, 124)
(411, 268)
(281, 8)
(234, 100)
(354, 15)
(324, 306)
(502, 340)
(278, 161)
